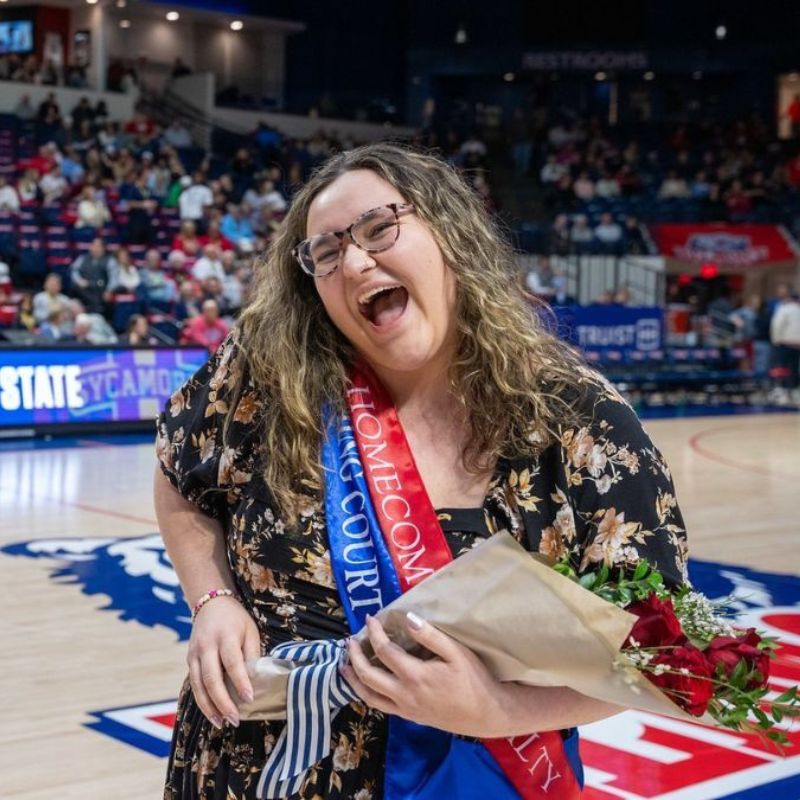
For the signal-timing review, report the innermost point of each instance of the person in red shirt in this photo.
(187, 240)
(207, 329)
(213, 236)
(793, 113)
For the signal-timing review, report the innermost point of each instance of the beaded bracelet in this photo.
(210, 596)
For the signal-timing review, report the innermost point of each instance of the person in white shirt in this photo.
(209, 265)
(9, 199)
(784, 333)
(264, 195)
(673, 187)
(194, 199)
(607, 186)
(50, 299)
(608, 232)
(552, 171)
(53, 185)
(177, 135)
(92, 211)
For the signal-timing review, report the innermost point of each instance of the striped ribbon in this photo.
(315, 693)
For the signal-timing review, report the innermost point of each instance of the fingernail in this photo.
(232, 721)
(369, 617)
(248, 695)
(414, 621)
(216, 722)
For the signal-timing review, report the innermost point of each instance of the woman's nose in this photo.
(354, 260)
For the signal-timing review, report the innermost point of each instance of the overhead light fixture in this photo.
(721, 32)
(697, 74)
(124, 23)
(237, 25)
(649, 75)
(91, 2)
(173, 16)
(508, 77)
(122, 3)
(600, 76)
(461, 35)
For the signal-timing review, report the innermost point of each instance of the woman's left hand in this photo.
(453, 692)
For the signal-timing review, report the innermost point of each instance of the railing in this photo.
(589, 276)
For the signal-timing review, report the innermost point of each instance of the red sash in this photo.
(536, 764)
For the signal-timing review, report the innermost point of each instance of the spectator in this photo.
(91, 273)
(48, 107)
(55, 327)
(737, 201)
(9, 199)
(785, 335)
(673, 187)
(156, 287)
(609, 234)
(264, 195)
(24, 108)
(793, 114)
(125, 278)
(233, 284)
(188, 306)
(137, 332)
(622, 297)
(212, 289)
(54, 187)
(635, 243)
(25, 317)
(195, 198)
(72, 166)
(207, 329)
(539, 280)
(177, 135)
(581, 235)
(552, 171)
(209, 265)
(700, 188)
(213, 236)
(187, 241)
(236, 227)
(82, 112)
(92, 211)
(141, 207)
(560, 242)
(50, 299)
(583, 187)
(607, 187)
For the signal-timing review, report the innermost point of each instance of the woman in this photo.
(137, 331)
(507, 429)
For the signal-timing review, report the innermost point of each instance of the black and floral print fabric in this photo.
(602, 493)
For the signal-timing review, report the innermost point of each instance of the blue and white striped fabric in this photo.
(315, 693)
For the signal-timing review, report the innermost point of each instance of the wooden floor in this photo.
(738, 482)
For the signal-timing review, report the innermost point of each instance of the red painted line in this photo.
(108, 513)
(694, 444)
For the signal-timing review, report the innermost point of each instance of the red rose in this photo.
(730, 650)
(690, 691)
(657, 625)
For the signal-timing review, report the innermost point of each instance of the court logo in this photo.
(134, 573)
(636, 755)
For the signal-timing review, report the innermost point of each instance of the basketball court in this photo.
(94, 626)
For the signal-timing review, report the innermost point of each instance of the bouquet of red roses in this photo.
(685, 645)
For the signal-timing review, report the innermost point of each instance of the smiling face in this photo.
(395, 307)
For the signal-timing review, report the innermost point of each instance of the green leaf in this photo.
(640, 571)
(655, 580)
(787, 696)
(588, 580)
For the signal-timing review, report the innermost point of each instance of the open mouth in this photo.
(385, 306)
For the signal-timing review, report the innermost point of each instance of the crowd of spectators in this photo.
(133, 226)
(598, 183)
(28, 69)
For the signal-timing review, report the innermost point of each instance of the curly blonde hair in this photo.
(512, 378)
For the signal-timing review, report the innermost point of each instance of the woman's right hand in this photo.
(224, 636)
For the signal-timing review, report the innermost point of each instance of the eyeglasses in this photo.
(375, 231)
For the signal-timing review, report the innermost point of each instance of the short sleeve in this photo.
(621, 492)
(189, 437)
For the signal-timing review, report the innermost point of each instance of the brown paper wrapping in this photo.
(526, 622)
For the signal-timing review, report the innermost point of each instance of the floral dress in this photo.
(602, 493)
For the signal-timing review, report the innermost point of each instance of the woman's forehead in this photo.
(349, 196)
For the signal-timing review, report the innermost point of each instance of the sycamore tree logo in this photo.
(134, 573)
